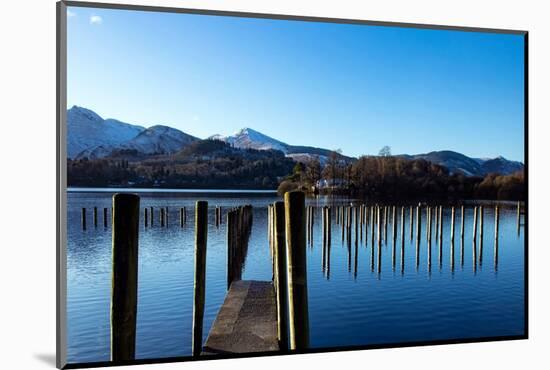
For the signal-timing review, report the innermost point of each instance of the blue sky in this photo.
(352, 87)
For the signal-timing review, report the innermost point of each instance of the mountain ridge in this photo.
(90, 136)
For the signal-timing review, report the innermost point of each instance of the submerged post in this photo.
(297, 271)
(201, 232)
(124, 284)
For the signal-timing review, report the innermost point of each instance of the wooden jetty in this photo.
(246, 322)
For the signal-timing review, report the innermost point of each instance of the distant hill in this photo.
(460, 163)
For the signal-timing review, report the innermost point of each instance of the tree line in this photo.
(387, 177)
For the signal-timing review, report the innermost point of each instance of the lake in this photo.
(361, 302)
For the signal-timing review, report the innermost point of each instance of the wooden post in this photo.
(386, 224)
(95, 216)
(394, 225)
(166, 216)
(418, 228)
(402, 238)
(518, 216)
(440, 229)
(83, 218)
(496, 238)
(437, 219)
(462, 223)
(411, 221)
(481, 222)
(440, 224)
(297, 270)
(356, 213)
(475, 224)
(105, 221)
(329, 236)
(496, 221)
(429, 225)
(201, 232)
(152, 216)
(474, 249)
(161, 217)
(452, 225)
(124, 286)
(230, 246)
(379, 241)
(281, 282)
(145, 217)
(372, 208)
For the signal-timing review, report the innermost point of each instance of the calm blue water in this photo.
(359, 303)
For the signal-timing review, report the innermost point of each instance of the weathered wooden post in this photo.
(297, 270)
(152, 216)
(496, 221)
(462, 222)
(356, 214)
(124, 285)
(145, 217)
(181, 217)
(411, 221)
(95, 216)
(440, 225)
(418, 228)
(83, 218)
(372, 208)
(475, 223)
(518, 216)
(394, 225)
(329, 236)
(429, 224)
(201, 233)
(161, 217)
(496, 237)
(231, 247)
(474, 238)
(402, 237)
(105, 221)
(481, 222)
(379, 241)
(386, 224)
(437, 218)
(281, 283)
(452, 224)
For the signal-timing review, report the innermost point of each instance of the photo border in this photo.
(61, 188)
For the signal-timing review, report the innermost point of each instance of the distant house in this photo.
(330, 183)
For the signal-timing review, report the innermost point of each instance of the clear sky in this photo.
(352, 87)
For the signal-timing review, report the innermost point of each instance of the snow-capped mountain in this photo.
(86, 129)
(460, 163)
(248, 138)
(90, 136)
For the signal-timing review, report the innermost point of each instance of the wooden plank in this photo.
(246, 322)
